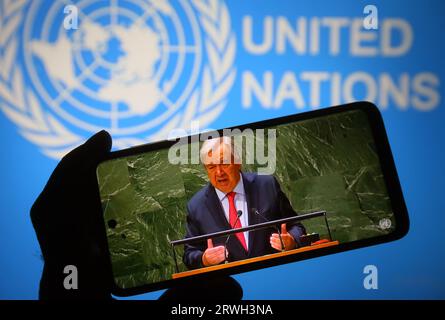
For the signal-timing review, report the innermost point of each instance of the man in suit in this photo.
(234, 199)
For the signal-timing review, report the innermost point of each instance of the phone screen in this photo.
(335, 163)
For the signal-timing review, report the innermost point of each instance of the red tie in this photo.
(233, 216)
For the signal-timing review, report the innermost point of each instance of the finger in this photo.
(275, 245)
(101, 142)
(91, 152)
(220, 259)
(220, 249)
(283, 228)
(209, 243)
(208, 259)
(276, 242)
(215, 257)
(216, 251)
(221, 256)
(93, 148)
(211, 257)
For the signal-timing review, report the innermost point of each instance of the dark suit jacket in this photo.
(206, 215)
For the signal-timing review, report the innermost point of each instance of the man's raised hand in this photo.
(213, 255)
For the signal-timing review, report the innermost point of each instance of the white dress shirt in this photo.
(240, 204)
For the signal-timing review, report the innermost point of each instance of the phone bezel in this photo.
(387, 166)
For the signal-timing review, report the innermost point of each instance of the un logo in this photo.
(137, 68)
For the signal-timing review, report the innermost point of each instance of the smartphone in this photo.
(304, 185)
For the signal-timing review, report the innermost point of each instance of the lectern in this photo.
(253, 227)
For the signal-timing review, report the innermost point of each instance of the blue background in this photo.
(410, 268)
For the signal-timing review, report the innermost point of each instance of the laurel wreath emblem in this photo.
(40, 127)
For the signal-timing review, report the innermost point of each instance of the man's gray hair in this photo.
(213, 144)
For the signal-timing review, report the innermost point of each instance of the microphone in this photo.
(267, 220)
(239, 213)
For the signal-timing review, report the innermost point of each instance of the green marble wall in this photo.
(331, 164)
(325, 164)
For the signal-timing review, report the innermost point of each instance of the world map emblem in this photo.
(137, 68)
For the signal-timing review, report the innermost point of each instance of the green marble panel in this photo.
(145, 195)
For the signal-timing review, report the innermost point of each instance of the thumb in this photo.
(87, 154)
(209, 243)
(95, 147)
(283, 228)
(99, 143)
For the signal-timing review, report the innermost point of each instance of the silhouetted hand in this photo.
(67, 220)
